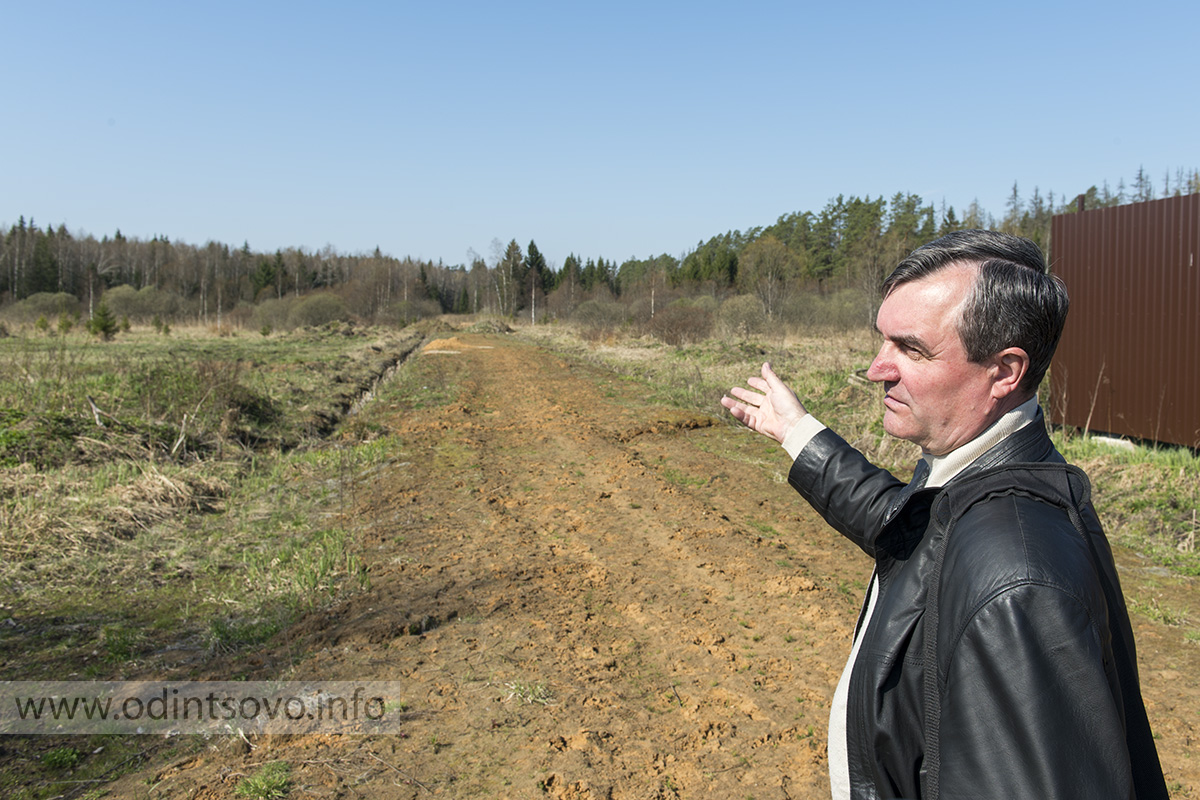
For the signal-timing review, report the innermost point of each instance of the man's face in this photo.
(934, 397)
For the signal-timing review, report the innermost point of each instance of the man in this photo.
(993, 656)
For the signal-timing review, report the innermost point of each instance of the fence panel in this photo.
(1129, 360)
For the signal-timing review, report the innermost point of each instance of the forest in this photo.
(808, 266)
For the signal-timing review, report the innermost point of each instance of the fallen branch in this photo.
(406, 776)
(182, 434)
(96, 412)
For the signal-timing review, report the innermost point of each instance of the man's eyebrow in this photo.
(908, 341)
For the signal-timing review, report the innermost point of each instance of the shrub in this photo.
(273, 780)
(639, 314)
(47, 304)
(60, 758)
(141, 304)
(407, 312)
(316, 310)
(599, 319)
(741, 317)
(121, 300)
(273, 313)
(843, 310)
(684, 321)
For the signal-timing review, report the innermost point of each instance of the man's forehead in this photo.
(946, 288)
(913, 308)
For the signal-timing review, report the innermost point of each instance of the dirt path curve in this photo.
(591, 597)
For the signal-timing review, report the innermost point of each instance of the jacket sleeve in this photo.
(851, 493)
(1026, 704)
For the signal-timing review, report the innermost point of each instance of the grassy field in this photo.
(150, 462)
(167, 500)
(1148, 497)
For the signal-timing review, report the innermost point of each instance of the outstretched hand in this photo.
(773, 410)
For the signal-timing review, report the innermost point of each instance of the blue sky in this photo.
(616, 129)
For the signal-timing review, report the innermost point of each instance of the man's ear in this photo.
(1009, 368)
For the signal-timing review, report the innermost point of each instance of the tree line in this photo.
(849, 244)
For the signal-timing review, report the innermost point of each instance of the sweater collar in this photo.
(945, 467)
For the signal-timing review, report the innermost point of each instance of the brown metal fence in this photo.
(1129, 360)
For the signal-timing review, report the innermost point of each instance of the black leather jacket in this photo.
(999, 660)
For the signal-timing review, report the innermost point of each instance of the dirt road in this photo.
(591, 597)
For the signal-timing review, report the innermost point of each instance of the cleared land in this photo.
(591, 591)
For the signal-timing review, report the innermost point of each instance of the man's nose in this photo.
(882, 368)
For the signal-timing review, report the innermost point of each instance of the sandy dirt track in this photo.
(591, 597)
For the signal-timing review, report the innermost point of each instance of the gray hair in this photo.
(1015, 301)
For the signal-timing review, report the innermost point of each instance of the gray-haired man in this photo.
(994, 655)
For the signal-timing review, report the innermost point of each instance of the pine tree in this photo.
(103, 324)
(1143, 190)
(536, 263)
(510, 277)
(43, 272)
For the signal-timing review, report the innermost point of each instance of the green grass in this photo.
(60, 758)
(126, 548)
(243, 389)
(114, 550)
(530, 692)
(1148, 498)
(271, 781)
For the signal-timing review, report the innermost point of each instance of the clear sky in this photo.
(615, 129)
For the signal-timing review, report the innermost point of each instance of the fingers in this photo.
(773, 381)
(747, 396)
(738, 411)
(758, 383)
(768, 406)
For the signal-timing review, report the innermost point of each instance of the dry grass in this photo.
(52, 518)
(1148, 500)
(824, 367)
(116, 550)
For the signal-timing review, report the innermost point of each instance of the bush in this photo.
(142, 304)
(639, 314)
(408, 312)
(273, 313)
(43, 304)
(599, 319)
(316, 310)
(684, 321)
(121, 300)
(741, 317)
(843, 310)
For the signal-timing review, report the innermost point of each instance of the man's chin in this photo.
(892, 425)
(896, 427)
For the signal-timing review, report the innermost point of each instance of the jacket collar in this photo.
(944, 468)
(1031, 443)
(1027, 444)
